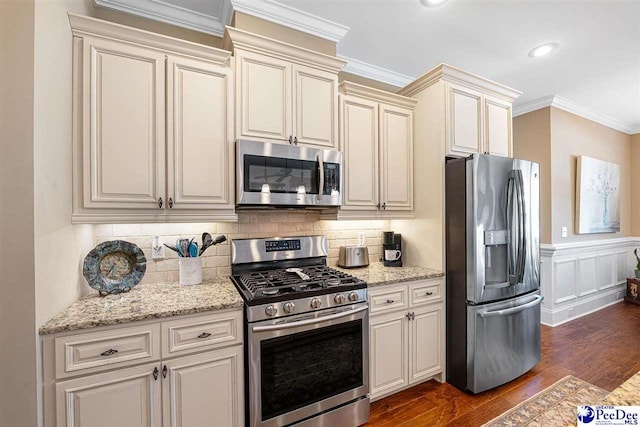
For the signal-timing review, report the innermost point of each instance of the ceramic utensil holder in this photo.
(190, 271)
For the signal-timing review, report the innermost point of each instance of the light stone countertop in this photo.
(144, 302)
(376, 274)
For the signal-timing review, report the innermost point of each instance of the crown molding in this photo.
(235, 38)
(278, 13)
(175, 15)
(374, 72)
(577, 109)
(377, 95)
(452, 74)
(85, 26)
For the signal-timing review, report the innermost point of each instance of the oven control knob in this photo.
(316, 303)
(289, 307)
(339, 299)
(270, 310)
(353, 296)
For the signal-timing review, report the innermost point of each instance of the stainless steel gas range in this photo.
(307, 334)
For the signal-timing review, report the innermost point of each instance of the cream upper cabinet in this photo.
(388, 357)
(284, 93)
(396, 144)
(153, 127)
(123, 129)
(359, 146)
(316, 106)
(264, 96)
(376, 138)
(498, 133)
(204, 390)
(465, 115)
(199, 135)
(462, 113)
(127, 397)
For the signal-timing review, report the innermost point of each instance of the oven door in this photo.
(287, 175)
(303, 365)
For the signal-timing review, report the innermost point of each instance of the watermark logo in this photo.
(586, 414)
(589, 416)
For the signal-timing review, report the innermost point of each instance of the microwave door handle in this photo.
(321, 166)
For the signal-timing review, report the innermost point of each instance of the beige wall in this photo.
(635, 189)
(18, 388)
(282, 33)
(572, 136)
(532, 141)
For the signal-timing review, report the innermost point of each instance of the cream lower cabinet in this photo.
(284, 93)
(406, 336)
(197, 379)
(463, 113)
(153, 127)
(376, 138)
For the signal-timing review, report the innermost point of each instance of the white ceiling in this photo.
(595, 72)
(597, 64)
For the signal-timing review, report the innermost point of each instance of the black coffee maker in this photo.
(391, 249)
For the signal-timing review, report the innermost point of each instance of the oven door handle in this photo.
(309, 321)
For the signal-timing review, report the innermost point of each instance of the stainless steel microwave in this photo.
(281, 175)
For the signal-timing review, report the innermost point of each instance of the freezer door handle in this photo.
(536, 301)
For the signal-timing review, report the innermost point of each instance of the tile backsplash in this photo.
(216, 261)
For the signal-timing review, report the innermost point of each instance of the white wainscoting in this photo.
(582, 277)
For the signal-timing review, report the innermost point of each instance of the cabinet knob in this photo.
(428, 294)
(295, 141)
(160, 202)
(155, 373)
(408, 316)
(390, 301)
(290, 140)
(204, 335)
(109, 352)
(170, 202)
(384, 205)
(164, 371)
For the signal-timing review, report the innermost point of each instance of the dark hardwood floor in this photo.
(602, 348)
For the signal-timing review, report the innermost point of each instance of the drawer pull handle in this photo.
(109, 352)
(428, 294)
(204, 335)
(390, 301)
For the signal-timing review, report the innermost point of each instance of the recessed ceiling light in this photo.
(431, 3)
(543, 49)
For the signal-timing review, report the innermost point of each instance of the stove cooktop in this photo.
(278, 285)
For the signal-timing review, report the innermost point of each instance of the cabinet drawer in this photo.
(425, 292)
(201, 333)
(384, 300)
(98, 351)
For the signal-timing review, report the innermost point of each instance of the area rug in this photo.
(555, 406)
(628, 394)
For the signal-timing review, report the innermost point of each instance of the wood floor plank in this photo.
(601, 348)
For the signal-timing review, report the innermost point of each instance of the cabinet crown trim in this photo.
(235, 38)
(350, 88)
(452, 74)
(86, 26)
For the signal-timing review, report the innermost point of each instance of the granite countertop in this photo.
(145, 301)
(376, 274)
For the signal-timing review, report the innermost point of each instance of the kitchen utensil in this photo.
(353, 256)
(299, 272)
(173, 249)
(184, 247)
(193, 250)
(207, 242)
(220, 239)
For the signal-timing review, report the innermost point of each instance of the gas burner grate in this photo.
(280, 282)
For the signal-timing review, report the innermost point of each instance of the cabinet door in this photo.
(425, 343)
(396, 144)
(199, 135)
(315, 107)
(388, 356)
(123, 125)
(125, 397)
(498, 136)
(264, 96)
(465, 121)
(205, 390)
(359, 146)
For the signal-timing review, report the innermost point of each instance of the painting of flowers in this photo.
(597, 196)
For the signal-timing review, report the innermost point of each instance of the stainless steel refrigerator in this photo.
(493, 270)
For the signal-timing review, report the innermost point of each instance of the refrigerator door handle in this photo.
(485, 314)
(515, 216)
(512, 254)
(522, 239)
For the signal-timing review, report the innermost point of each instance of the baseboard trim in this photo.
(562, 315)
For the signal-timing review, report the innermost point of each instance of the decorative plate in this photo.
(115, 266)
